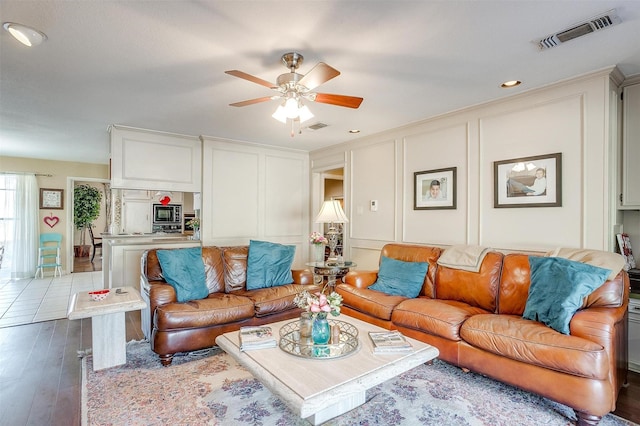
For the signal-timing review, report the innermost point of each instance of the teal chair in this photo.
(49, 254)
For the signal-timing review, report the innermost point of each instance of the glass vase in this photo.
(318, 252)
(321, 331)
(306, 325)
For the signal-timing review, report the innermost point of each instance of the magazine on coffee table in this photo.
(256, 337)
(389, 342)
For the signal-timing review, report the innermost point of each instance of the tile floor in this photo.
(34, 300)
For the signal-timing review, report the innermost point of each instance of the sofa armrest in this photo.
(302, 276)
(360, 279)
(160, 293)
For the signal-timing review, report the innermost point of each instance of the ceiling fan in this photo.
(293, 88)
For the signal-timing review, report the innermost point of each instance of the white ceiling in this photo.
(160, 65)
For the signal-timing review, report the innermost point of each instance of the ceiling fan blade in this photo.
(339, 100)
(251, 78)
(251, 101)
(319, 74)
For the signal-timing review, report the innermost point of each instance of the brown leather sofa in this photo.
(475, 321)
(174, 327)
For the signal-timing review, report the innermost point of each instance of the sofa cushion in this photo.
(479, 289)
(217, 309)
(272, 300)
(530, 342)
(558, 289)
(416, 253)
(269, 264)
(234, 260)
(184, 270)
(374, 303)
(437, 317)
(400, 278)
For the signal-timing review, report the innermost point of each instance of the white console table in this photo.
(108, 327)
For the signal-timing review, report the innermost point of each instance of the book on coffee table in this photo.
(389, 342)
(257, 337)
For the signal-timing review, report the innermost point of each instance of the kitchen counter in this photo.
(121, 255)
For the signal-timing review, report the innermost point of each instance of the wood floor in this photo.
(40, 372)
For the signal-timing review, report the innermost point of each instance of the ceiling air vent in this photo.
(317, 126)
(596, 23)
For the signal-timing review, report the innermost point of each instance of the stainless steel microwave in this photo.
(169, 214)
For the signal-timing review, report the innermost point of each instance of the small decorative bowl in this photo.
(99, 295)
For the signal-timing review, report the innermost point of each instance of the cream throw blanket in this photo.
(602, 259)
(464, 257)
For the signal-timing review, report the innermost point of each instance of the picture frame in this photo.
(528, 182)
(435, 189)
(51, 198)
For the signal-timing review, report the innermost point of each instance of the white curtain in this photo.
(26, 233)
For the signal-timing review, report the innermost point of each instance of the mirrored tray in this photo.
(291, 342)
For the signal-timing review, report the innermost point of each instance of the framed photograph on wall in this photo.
(435, 189)
(528, 182)
(51, 198)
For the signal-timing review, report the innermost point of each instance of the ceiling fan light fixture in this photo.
(291, 108)
(305, 113)
(280, 114)
(28, 36)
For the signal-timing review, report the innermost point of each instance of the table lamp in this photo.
(332, 213)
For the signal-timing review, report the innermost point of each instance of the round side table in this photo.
(332, 270)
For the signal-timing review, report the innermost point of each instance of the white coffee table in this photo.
(108, 327)
(321, 389)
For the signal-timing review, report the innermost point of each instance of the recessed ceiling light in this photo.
(354, 131)
(511, 83)
(25, 35)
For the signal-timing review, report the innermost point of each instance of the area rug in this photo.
(210, 388)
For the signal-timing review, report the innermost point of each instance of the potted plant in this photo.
(86, 209)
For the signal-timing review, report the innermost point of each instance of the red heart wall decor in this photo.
(51, 221)
(165, 200)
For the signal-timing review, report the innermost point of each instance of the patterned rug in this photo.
(209, 388)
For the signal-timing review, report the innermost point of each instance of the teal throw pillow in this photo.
(558, 288)
(184, 270)
(400, 278)
(269, 264)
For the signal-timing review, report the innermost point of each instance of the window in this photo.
(7, 220)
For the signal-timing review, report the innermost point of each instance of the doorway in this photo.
(328, 185)
(100, 225)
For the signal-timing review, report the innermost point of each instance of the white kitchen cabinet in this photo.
(634, 335)
(155, 160)
(136, 216)
(631, 148)
(136, 194)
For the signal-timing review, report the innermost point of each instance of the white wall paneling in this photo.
(572, 117)
(373, 172)
(442, 148)
(516, 134)
(255, 192)
(145, 159)
(284, 196)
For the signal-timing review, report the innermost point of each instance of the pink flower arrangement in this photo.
(319, 303)
(317, 238)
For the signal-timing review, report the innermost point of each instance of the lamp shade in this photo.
(331, 212)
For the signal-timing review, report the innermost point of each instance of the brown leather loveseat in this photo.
(475, 320)
(174, 327)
